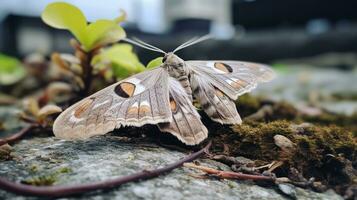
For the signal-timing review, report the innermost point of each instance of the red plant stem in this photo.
(16, 136)
(60, 191)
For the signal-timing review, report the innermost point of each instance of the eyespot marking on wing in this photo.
(83, 107)
(173, 105)
(125, 89)
(223, 67)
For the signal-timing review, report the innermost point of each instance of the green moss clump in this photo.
(349, 122)
(284, 110)
(46, 179)
(253, 140)
(247, 104)
(34, 168)
(315, 146)
(5, 152)
(318, 146)
(64, 170)
(344, 96)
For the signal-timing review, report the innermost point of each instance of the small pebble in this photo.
(284, 143)
(288, 189)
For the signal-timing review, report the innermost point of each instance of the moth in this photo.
(164, 96)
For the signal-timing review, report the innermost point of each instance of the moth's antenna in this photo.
(146, 44)
(200, 39)
(192, 42)
(143, 46)
(187, 42)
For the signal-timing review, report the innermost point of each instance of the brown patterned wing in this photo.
(217, 105)
(186, 124)
(233, 78)
(138, 100)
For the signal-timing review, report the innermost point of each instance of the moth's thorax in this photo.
(175, 66)
(177, 69)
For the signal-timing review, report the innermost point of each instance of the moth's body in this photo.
(177, 69)
(163, 96)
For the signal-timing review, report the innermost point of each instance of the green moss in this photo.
(64, 170)
(43, 180)
(231, 185)
(34, 168)
(5, 152)
(248, 104)
(253, 140)
(46, 179)
(327, 118)
(319, 142)
(344, 96)
(284, 110)
(314, 146)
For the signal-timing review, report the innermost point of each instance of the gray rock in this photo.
(106, 157)
(10, 120)
(288, 189)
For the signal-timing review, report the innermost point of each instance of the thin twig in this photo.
(16, 136)
(60, 191)
(229, 174)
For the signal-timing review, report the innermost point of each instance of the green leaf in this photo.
(103, 32)
(121, 18)
(66, 16)
(11, 70)
(122, 58)
(154, 63)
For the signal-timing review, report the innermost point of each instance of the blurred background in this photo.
(312, 44)
(260, 30)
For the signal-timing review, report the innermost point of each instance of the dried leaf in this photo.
(31, 105)
(48, 110)
(56, 88)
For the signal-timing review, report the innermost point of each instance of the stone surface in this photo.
(106, 157)
(9, 120)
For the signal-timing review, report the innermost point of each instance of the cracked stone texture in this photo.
(108, 156)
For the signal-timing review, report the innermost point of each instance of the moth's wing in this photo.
(138, 100)
(233, 78)
(217, 105)
(186, 124)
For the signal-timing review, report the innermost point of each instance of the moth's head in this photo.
(171, 59)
